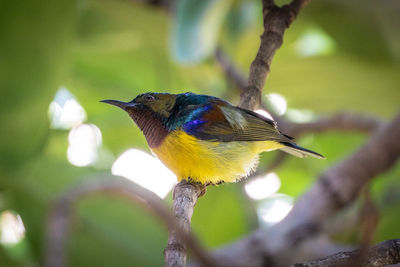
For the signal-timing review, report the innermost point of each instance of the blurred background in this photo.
(59, 58)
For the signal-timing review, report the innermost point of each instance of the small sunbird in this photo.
(206, 139)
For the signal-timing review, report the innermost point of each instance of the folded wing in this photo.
(222, 122)
(225, 123)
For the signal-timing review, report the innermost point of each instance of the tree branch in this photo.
(184, 199)
(335, 188)
(343, 121)
(382, 254)
(59, 217)
(276, 20)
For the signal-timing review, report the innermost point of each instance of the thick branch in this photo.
(276, 20)
(382, 254)
(335, 188)
(184, 200)
(59, 219)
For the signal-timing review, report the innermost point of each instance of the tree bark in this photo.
(184, 199)
(276, 21)
(382, 254)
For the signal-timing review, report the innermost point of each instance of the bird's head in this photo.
(150, 111)
(158, 104)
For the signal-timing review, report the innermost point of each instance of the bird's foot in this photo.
(201, 187)
(203, 191)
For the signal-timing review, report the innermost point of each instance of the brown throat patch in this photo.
(151, 125)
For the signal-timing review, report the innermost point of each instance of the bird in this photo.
(205, 139)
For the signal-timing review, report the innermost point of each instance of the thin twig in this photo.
(184, 199)
(344, 121)
(382, 254)
(369, 217)
(59, 219)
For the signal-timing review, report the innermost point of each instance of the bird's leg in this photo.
(202, 187)
(203, 190)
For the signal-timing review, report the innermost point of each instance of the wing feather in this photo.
(223, 122)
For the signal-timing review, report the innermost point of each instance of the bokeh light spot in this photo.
(64, 111)
(84, 141)
(145, 170)
(264, 113)
(262, 187)
(274, 209)
(12, 229)
(300, 115)
(315, 42)
(277, 102)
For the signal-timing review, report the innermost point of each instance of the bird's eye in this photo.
(149, 97)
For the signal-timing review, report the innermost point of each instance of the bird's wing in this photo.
(224, 123)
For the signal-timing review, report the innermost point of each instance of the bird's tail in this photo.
(299, 151)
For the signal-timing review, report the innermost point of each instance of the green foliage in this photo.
(118, 49)
(196, 27)
(6, 260)
(222, 211)
(113, 226)
(34, 43)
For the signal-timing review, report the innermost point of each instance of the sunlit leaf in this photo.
(112, 231)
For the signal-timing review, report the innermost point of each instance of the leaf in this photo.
(112, 231)
(35, 38)
(195, 29)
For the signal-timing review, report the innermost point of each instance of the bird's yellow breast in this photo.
(207, 161)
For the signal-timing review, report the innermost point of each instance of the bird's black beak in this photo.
(120, 104)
